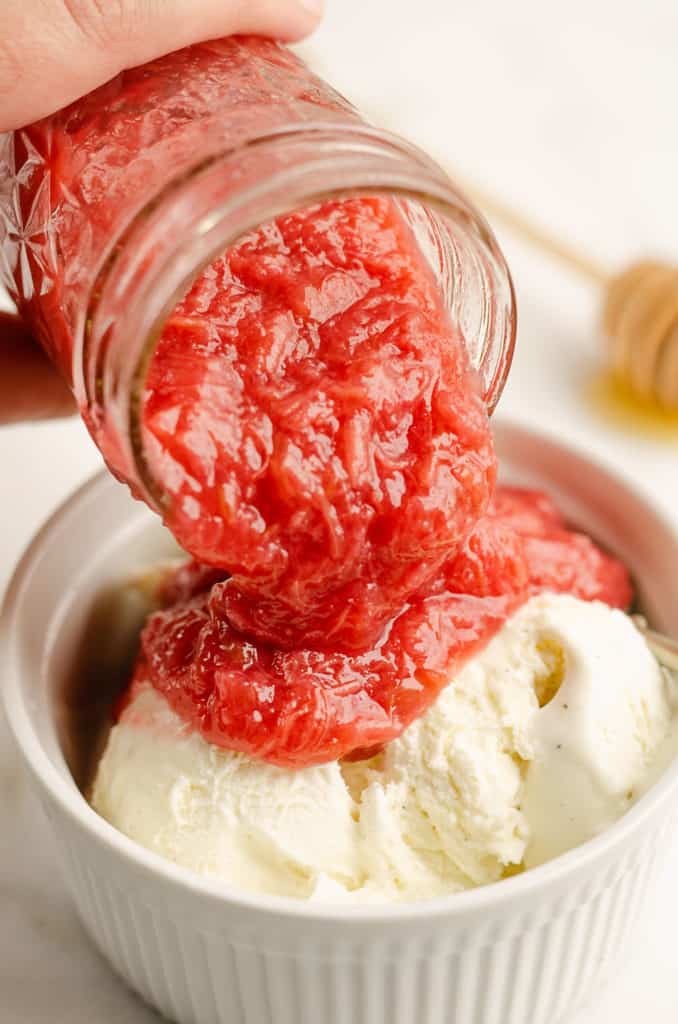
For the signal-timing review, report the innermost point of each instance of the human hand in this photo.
(54, 51)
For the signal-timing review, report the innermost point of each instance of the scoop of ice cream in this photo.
(594, 741)
(538, 743)
(221, 813)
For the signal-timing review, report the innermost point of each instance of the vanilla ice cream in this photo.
(540, 742)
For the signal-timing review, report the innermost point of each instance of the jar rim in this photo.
(348, 159)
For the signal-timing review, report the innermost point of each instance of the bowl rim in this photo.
(71, 802)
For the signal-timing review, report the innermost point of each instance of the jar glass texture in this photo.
(110, 208)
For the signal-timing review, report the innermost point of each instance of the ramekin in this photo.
(526, 950)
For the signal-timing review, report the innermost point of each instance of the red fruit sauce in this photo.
(330, 466)
(306, 706)
(312, 414)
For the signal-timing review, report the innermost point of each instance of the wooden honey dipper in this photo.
(640, 307)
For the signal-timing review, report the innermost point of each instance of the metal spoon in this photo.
(664, 648)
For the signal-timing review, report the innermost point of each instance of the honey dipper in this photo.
(640, 307)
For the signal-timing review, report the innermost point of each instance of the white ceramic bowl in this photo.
(527, 950)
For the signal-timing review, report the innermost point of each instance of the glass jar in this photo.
(110, 208)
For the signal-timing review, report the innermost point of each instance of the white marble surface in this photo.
(569, 111)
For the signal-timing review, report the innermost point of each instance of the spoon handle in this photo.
(664, 648)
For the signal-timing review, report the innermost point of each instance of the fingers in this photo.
(53, 51)
(30, 387)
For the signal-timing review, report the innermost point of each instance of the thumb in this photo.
(54, 51)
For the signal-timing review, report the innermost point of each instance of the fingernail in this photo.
(314, 7)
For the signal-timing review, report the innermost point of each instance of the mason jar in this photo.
(111, 207)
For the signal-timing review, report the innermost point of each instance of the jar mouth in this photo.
(205, 211)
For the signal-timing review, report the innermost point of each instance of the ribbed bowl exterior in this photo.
(532, 960)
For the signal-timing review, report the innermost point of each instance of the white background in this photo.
(567, 110)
